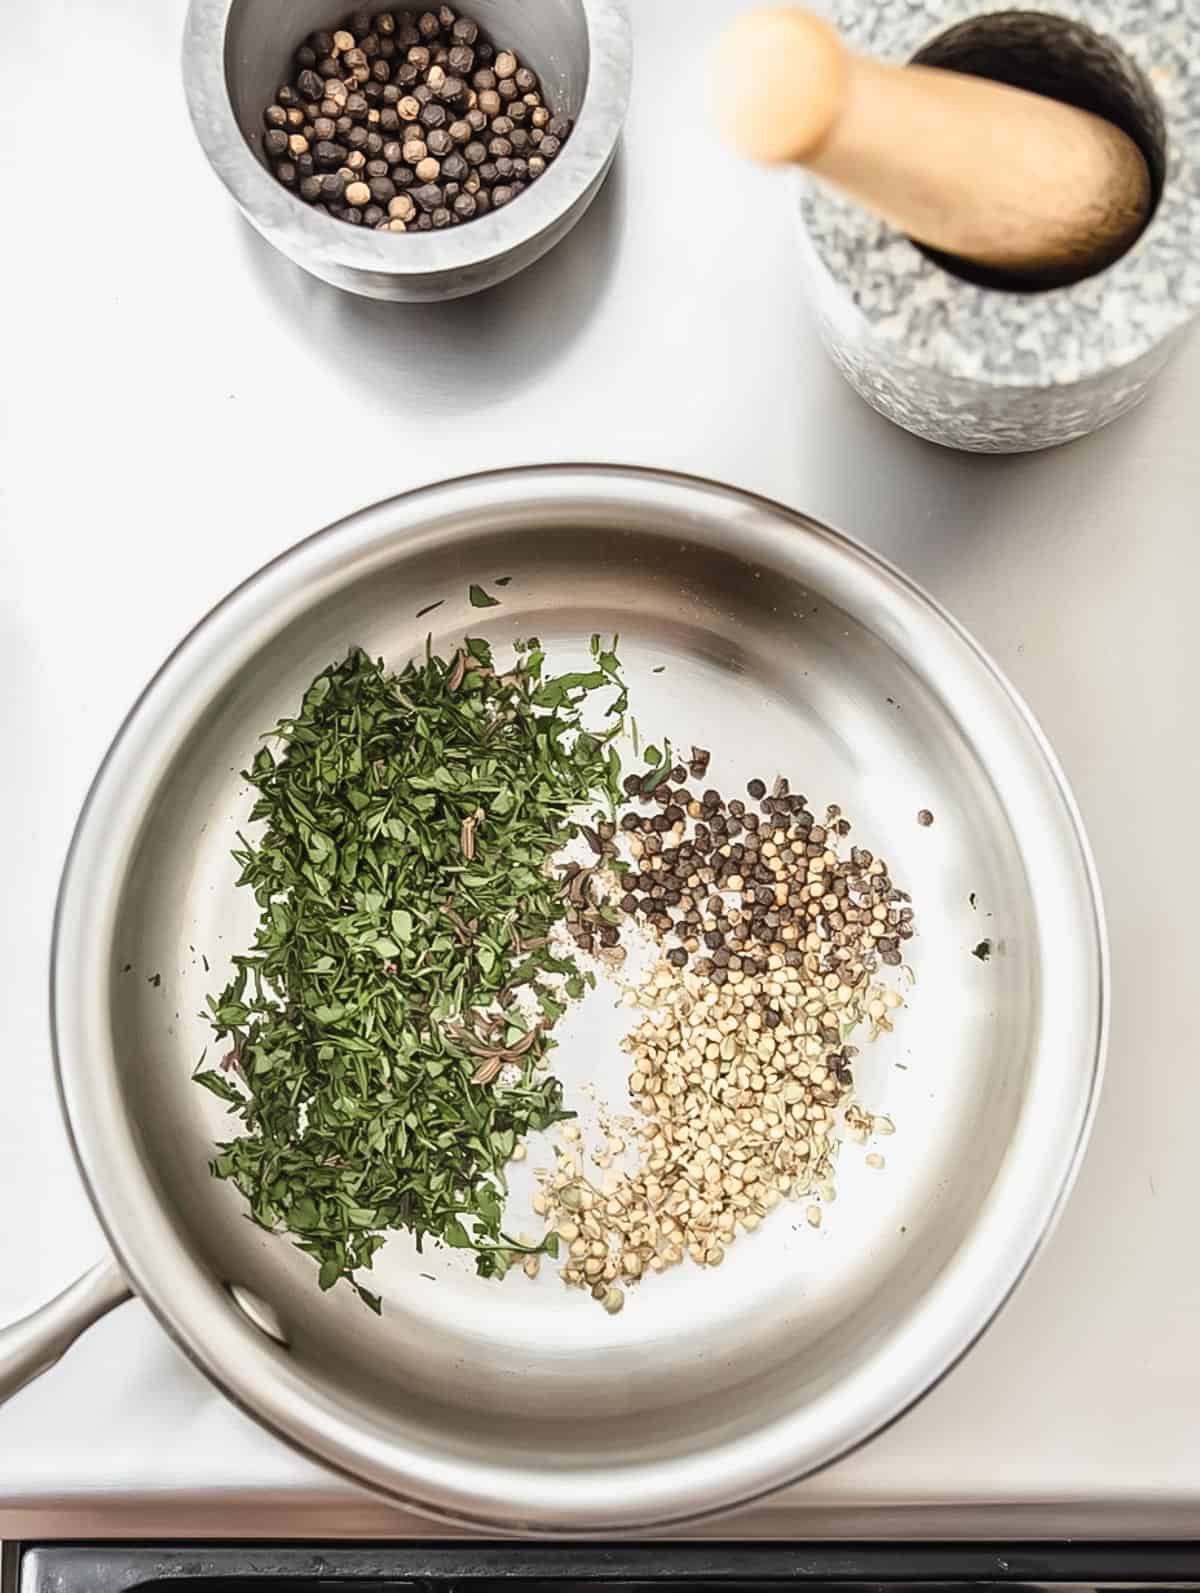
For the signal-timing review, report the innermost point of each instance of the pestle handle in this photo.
(1010, 180)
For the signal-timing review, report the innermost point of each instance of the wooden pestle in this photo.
(1007, 179)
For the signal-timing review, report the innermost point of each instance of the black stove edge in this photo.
(115, 1567)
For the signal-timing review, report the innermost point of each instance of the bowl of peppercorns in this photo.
(412, 155)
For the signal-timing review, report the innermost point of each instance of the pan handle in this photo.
(32, 1346)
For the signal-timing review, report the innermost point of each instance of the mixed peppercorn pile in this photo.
(409, 122)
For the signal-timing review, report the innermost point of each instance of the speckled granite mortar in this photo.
(1001, 372)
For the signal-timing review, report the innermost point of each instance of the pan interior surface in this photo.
(520, 1405)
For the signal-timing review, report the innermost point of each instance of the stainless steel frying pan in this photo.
(519, 1406)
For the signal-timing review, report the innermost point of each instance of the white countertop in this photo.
(178, 404)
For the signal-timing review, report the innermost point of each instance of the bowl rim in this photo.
(332, 245)
(192, 1305)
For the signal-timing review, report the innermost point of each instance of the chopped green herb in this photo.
(481, 599)
(983, 950)
(429, 608)
(502, 580)
(400, 873)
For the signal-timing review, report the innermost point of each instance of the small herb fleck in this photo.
(481, 599)
(983, 950)
(429, 608)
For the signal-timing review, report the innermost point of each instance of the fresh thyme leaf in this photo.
(481, 599)
(406, 822)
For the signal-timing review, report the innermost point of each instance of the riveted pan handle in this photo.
(32, 1346)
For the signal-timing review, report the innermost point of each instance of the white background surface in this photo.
(177, 404)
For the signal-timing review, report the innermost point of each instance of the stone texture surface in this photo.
(995, 371)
